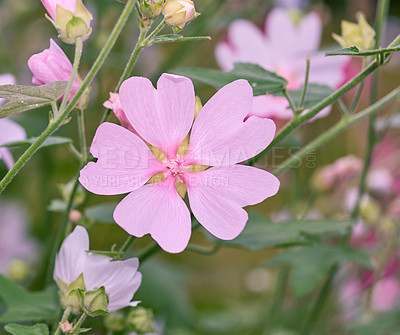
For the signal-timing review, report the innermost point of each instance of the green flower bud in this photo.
(140, 320)
(69, 295)
(370, 210)
(151, 8)
(95, 302)
(360, 35)
(18, 270)
(115, 321)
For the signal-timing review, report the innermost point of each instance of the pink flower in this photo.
(282, 49)
(9, 130)
(219, 138)
(52, 65)
(386, 294)
(51, 6)
(119, 278)
(115, 104)
(15, 242)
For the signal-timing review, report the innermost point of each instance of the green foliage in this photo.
(262, 81)
(23, 98)
(39, 329)
(261, 233)
(23, 305)
(102, 213)
(178, 38)
(354, 51)
(311, 264)
(314, 94)
(52, 140)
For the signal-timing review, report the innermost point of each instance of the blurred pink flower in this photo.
(219, 138)
(282, 49)
(386, 294)
(52, 65)
(51, 6)
(115, 105)
(9, 130)
(15, 242)
(120, 278)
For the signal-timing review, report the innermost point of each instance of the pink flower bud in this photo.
(179, 12)
(51, 6)
(66, 327)
(52, 65)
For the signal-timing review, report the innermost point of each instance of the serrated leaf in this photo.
(262, 81)
(261, 233)
(52, 140)
(178, 38)
(23, 98)
(354, 51)
(311, 264)
(102, 213)
(39, 329)
(23, 305)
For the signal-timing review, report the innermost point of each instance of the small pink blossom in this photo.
(52, 65)
(66, 327)
(51, 6)
(386, 294)
(282, 49)
(15, 242)
(219, 139)
(119, 278)
(9, 130)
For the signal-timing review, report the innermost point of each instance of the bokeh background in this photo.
(228, 292)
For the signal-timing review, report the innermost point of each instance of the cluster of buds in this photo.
(177, 13)
(70, 18)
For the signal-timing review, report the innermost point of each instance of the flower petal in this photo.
(119, 278)
(217, 196)
(11, 131)
(158, 210)
(163, 117)
(269, 106)
(124, 163)
(220, 136)
(71, 259)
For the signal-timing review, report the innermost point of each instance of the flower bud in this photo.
(18, 270)
(115, 321)
(140, 320)
(95, 302)
(66, 327)
(370, 210)
(360, 35)
(179, 12)
(151, 8)
(70, 18)
(69, 295)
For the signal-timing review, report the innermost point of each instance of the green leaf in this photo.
(311, 264)
(353, 51)
(262, 81)
(102, 213)
(23, 305)
(178, 38)
(39, 329)
(261, 233)
(23, 98)
(314, 94)
(52, 140)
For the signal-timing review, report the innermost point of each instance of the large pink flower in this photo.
(282, 49)
(51, 6)
(9, 130)
(219, 139)
(52, 65)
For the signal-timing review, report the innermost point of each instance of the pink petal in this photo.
(10, 131)
(225, 56)
(124, 163)
(51, 6)
(309, 33)
(269, 106)
(119, 278)
(217, 196)
(71, 259)
(163, 117)
(158, 210)
(220, 136)
(385, 294)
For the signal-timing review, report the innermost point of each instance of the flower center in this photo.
(176, 166)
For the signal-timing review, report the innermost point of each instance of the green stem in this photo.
(127, 244)
(279, 292)
(303, 95)
(64, 318)
(82, 134)
(289, 99)
(76, 329)
(148, 40)
(317, 308)
(53, 126)
(147, 253)
(335, 130)
(202, 250)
